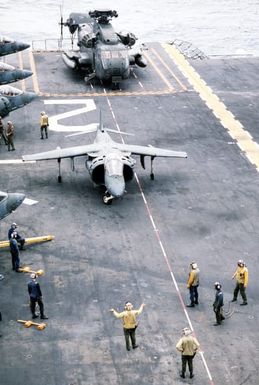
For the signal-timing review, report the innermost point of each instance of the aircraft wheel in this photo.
(141, 61)
(59, 179)
(106, 200)
(115, 86)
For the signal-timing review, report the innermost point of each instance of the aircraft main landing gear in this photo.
(89, 77)
(59, 174)
(152, 176)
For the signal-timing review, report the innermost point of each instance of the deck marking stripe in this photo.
(235, 129)
(16, 161)
(172, 275)
(21, 67)
(157, 233)
(169, 70)
(118, 93)
(34, 76)
(170, 87)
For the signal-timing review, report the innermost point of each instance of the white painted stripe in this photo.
(156, 231)
(15, 161)
(205, 364)
(54, 125)
(29, 202)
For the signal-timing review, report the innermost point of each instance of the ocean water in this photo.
(216, 27)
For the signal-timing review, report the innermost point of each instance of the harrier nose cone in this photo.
(14, 200)
(7, 77)
(21, 46)
(23, 74)
(115, 185)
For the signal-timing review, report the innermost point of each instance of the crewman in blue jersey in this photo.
(18, 237)
(35, 297)
(218, 304)
(15, 253)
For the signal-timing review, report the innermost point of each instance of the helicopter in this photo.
(101, 52)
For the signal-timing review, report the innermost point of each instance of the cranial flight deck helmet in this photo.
(128, 305)
(217, 285)
(193, 265)
(186, 331)
(241, 263)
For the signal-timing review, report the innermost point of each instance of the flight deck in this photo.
(203, 208)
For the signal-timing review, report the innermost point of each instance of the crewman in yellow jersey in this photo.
(241, 275)
(129, 323)
(44, 124)
(188, 346)
(193, 283)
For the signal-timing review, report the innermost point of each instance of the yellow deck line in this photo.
(170, 87)
(235, 129)
(117, 93)
(169, 70)
(21, 67)
(34, 76)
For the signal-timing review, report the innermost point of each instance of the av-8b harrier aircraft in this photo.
(12, 98)
(109, 163)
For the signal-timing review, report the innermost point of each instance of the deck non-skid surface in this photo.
(203, 209)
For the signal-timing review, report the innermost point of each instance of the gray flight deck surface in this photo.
(203, 209)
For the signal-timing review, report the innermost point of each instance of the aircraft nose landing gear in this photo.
(107, 199)
(59, 173)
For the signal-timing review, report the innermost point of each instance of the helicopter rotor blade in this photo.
(61, 20)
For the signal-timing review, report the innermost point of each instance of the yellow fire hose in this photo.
(29, 241)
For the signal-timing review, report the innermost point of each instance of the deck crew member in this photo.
(44, 123)
(10, 135)
(2, 131)
(18, 237)
(188, 346)
(241, 275)
(35, 297)
(218, 304)
(129, 323)
(193, 284)
(15, 253)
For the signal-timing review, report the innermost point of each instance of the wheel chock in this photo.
(28, 324)
(27, 269)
